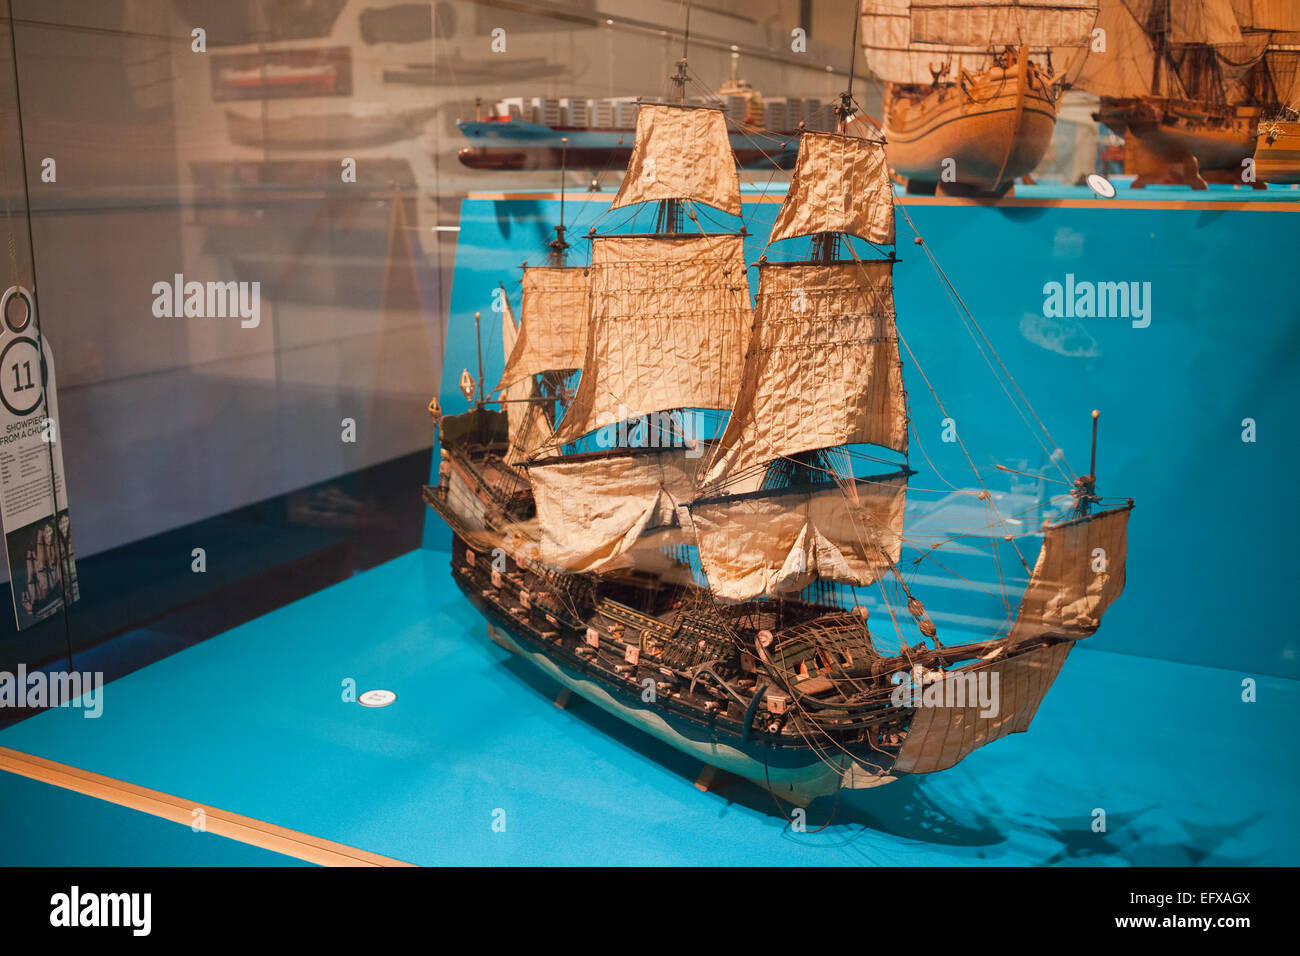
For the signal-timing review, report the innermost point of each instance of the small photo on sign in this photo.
(35, 551)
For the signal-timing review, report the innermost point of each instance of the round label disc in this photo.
(376, 698)
(1102, 186)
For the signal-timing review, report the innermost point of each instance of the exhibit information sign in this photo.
(38, 539)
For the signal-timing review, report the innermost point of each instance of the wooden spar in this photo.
(478, 344)
(680, 77)
(1092, 469)
(558, 244)
(846, 98)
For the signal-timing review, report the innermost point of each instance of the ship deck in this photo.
(251, 722)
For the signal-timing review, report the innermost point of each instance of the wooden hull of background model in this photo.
(1172, 143)
(1277, 153)
(996, 134)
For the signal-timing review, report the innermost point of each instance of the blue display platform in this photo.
(252, 722)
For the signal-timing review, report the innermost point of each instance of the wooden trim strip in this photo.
(1207, 205)
(268, 836)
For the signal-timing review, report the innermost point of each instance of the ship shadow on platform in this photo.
(1078, 845)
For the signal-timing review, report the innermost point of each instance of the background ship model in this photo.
(707, 588)
(1277, 148)
(598, 134)
(1188, 82)
(972, 88)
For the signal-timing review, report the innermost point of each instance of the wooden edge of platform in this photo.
(259, 833)
(1211, 205)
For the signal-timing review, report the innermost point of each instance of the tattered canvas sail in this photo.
(1078, 574)
(773, 543)
(669, 320)
(1125, 68)
(681, 152)
(941, 736)
(822, 369)
(993, 23)
(553, 324)
(594, 510)
(840, 184)
(527, 426)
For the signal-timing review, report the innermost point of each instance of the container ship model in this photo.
(1192, 85)
(598, 134)
(710, 590)
(972, 88)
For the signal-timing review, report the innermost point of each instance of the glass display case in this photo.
(261, 241)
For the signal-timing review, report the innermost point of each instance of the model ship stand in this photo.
(705, 589)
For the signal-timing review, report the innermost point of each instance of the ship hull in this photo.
(516, 145)
(1277, 153)
(999, 131)
(1169, 142)
(797, 775)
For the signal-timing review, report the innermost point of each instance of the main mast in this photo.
(667, 321)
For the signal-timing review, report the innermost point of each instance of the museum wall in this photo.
(159, 172)
(309, 150)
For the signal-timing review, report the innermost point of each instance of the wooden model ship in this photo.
(1188, 83)
(708, 588)
(1277, 148)
(971, 88)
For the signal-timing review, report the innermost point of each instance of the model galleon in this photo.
(1189, 82)
(749, 594)
(972, 88)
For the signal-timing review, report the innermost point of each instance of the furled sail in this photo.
(595, 509)
(681, 152)
(527, 426)
(1036, 23)
(772, 543)
(840, 184)
(1127, 64)
(670, 317)
(553, 324)
(1078, 574)
(822, 368)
